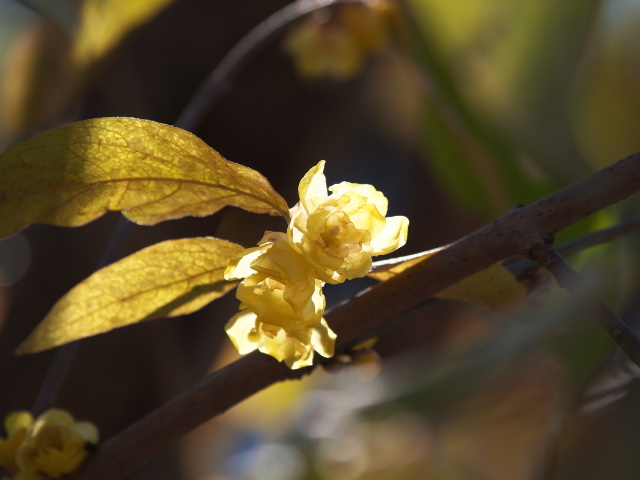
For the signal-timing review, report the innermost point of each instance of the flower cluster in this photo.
(336, 46)
(331, 238)
(50, 446)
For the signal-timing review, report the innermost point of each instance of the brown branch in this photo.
(575, 283)
(516, 233)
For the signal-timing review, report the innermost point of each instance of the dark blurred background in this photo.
(464, 110)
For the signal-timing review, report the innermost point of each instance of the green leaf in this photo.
(471, 141)
(170, 278)
(152, 172)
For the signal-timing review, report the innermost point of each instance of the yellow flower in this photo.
(338, 234)
(293, 344)
(336, 45)
(283, 304)
(330, 239)
(55, 445)
(16, 425)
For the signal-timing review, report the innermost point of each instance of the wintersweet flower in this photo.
(282, 304)
(54, 445)
(339, 233)
(16, 425)
(330, 238)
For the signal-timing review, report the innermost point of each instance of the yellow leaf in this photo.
(153, 172)
(494, 287)
(103, 23)
(170, 278)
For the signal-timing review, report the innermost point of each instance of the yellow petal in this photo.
(368, 218)
(268, 303)
(313, 187)
(323, 339)
(369, 192)
(56, 459)
(87, 430)
(296, 351)
(51, 418)
(356, 265)
(240, 329)
(310, 313)
(240, 267)
(392, 237)
(281, 261)
(16, 421)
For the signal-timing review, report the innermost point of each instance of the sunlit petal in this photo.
(313, 187)
(241, 330)
(392, 237)
(323, 339)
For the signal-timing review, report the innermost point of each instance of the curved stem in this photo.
(213, 86)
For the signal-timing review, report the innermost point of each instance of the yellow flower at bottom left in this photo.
(53, 445)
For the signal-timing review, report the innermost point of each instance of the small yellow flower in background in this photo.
(16, 425)
(53, 445)
(336, 46)
(338, 234)
(331, 238)
(322, 49)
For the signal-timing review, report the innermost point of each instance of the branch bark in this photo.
(517, 233)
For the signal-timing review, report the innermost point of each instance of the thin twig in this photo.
(574, 282)
(519, 266)
(515, 233)
(599, 237)
(241, 52)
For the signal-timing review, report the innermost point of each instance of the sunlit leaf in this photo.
(152, 172)
(103, 23)
(171, 278)
(494, 287)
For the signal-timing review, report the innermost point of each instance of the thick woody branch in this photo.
(518, 233)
